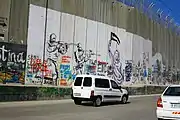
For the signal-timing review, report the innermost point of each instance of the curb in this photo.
(34, 103)
(50, 102)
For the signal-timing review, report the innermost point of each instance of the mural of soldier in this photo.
(81, 57)
(55, 48)
(115, 69)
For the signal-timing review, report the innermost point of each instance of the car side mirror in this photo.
(119, 87)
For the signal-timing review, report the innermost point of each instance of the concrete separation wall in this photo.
(78, 40)
(33, 93)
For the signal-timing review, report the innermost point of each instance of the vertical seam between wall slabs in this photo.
(73, 40)
(45, 33)
(9, 24)
(60, 25)
(106, 31)
(97, 39)
(86, 43)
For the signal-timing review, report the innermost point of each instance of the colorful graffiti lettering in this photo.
(96, 68)
(12, 63)
(65, 59)
(102, 68)
(66, 75)
(37, 70)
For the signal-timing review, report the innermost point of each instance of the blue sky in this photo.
(170, 6)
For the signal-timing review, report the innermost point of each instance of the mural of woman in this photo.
(115, 69)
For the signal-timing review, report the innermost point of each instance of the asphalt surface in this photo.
(140, 108)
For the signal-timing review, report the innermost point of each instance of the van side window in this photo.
(114, 85)
(87, 82)
(78, 81)
(102, 83)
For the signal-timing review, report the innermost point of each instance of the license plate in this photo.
(77, 94)
(175, 105)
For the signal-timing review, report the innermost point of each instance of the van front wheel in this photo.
(77, 102)
(97, 102)
(124, 99)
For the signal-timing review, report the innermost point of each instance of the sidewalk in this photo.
(49, 102)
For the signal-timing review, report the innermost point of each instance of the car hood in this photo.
(124, 91)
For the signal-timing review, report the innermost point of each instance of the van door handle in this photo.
(81, 87)
(110, 89)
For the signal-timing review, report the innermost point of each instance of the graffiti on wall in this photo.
(128, 71)
(64, 60)
(37, 70)
(66, 74)
(102, 68)
(55, 50)
(47, 71)
(142, 70)
(12, 63)
(84, 61)
(115, 67)
(58, 68)
(96, 68)
(163, 74)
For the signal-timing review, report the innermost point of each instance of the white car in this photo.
(168, 105)
(97, 89)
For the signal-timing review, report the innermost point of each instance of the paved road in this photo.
(141, 108)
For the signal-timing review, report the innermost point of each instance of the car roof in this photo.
(174, 86)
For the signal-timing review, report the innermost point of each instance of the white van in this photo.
(97, 89)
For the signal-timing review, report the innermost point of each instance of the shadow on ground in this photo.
(104, 104)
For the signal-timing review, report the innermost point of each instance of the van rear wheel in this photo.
(97, 102)
(77, 102)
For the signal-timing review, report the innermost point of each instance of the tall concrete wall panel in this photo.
(4, 18)
(18, 26)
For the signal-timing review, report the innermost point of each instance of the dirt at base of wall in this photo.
(32, 93)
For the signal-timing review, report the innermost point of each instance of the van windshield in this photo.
(172, 91)
(78, 81)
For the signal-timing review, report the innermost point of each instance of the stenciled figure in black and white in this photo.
(128, 71)
(55, 48)
(115, 68)
(81, 57)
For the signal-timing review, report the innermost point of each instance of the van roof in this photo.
(94, 76)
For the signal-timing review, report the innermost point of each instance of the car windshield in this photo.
(172, 91)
